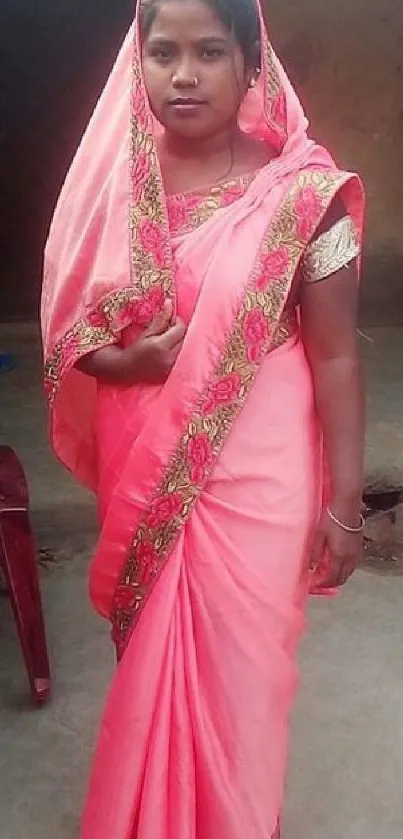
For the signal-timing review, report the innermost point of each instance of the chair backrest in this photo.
(13, 483)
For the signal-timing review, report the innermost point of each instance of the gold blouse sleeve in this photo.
(330, 252)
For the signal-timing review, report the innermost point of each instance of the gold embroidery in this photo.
(188, 211)
(103, 325)
(331, 251)
(151, 253)
(254, 335)
(275, 101)
(97, 329)
(150, 248)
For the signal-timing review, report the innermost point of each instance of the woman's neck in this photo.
(204, 150)
(190, 164)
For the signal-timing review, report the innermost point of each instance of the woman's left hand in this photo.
(335, 553)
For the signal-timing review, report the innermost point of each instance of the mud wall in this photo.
(346, 59)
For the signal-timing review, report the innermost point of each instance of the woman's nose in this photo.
(185, 77)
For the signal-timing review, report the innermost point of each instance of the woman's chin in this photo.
(190, 128)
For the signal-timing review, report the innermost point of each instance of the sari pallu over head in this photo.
(110, 263)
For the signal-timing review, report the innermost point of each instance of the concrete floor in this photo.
(346, 769)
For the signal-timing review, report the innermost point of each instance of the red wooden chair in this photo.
(18, 563)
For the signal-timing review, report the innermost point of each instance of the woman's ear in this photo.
(257, 56)
(255, 65)
(252, 78)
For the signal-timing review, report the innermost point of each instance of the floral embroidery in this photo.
(152, 239)
(307, 207)
(178, 209)
(189, 211)
(222, 392)
(151, 254)
(146, 309)
(275, 103)
(127, 596)
(97, 329)
(232, 192)
(139, 102)
(255, 334)
(279, 109)
(164, 509)
(274, 266)
(140, 174)
(258, 328)
(200, 456)
(287, 327)
(148, 559)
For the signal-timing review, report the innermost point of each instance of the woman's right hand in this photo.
(148, 360)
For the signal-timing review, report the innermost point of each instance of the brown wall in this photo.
(54, 58)
(346, 58)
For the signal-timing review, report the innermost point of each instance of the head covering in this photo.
(108, 259)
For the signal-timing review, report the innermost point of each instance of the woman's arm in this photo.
(329, 328)
(149, 360)
(109, 365)
(328, 316)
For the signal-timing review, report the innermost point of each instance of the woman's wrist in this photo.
(349, 525)
(113, 364)
(347, 507)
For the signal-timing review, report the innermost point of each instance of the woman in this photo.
(194, 365)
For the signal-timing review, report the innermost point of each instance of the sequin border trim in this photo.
(331, 251)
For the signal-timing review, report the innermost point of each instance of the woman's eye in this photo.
(161, 54)
(212, 53)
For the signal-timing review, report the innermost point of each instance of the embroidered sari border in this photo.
(253, 336)
(100, 327)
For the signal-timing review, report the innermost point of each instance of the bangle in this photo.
(346, 527)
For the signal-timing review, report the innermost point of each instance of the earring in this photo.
(254, 79)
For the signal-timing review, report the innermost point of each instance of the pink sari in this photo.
(208, 487)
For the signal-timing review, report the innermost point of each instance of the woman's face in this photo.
(194, 71)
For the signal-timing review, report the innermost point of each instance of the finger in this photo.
(327, 575)
(162, 321)
(317, 551)
(174, 335)
(173, 355)
(328, 581)
(339, 571)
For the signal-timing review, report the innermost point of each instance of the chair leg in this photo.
(21, 572)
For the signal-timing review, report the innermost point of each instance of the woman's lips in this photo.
(187, 106)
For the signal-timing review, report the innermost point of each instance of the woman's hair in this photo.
(241, 17)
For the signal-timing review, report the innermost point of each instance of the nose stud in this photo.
(193, 83)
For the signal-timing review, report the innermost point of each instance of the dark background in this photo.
(55, 56)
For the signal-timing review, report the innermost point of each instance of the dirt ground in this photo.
(347, 738)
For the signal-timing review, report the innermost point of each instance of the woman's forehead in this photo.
(178, 19)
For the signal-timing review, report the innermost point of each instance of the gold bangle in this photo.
(346, 527)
